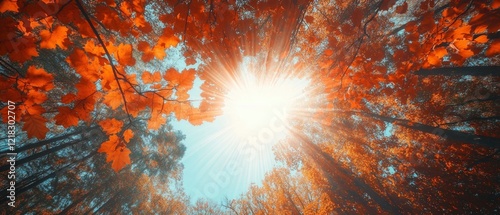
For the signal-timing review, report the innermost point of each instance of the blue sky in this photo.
(217, 163)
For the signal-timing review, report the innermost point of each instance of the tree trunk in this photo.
(28, 184)
(48, 141)
(40, 154)
(356, 187)
(450, 135)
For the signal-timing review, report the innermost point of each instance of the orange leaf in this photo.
(68, 98)
(481, 39)
(85, 88)
(109, 146)
(113, 99)
(83, 65)
(8, 5)
(186, 79)
(120, 158)
(124, 55)
(111, 126)
(171, 76)
(328, 52)
(35, 126)
(168, 39)
(66, 117)
(91, 47)
(55, 38)
(156, 121)
(39, 78)
(24, 49)
(149, 78)
(494, 48)
(127, 135)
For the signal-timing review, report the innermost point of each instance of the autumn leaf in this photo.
(118, 155)
(124, 55)
(494, 48)
(402, 8)
(23, 49)
(149, 78)
(66, 117)
(8, 5)
(127, 135)
(110, 145)
(481, 39)
(435, 57)
(68, 98)
(186, 78)
(55, 38)
(35, 126)
(87, 67)
(39, 78)
(120, 158)
(111, 126)
(167, 39)
(113, 99)
(85, 88)
(172, 76)
(156, 121)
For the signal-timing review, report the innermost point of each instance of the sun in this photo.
(253, 104)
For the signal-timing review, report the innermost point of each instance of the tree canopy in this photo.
(401, 116)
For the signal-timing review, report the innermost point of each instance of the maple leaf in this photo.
(91, 47)
(35, 126)
(436, 55)
(66, 117)
(85, 88)
(120, 158)
(36, 97)
(167, 39)
(494, 48)
(156, 121)
(111, 126)
(83, 65)
(39, 78)
(113, 99)
(9, 5)
(172, 76)
(23, 49)
(110, 145)
(149, 78)
(481, 39)
(127, 135)
(68, 98)
(124, 55)
(55, 38)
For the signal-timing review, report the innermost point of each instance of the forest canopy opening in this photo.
(254, 103)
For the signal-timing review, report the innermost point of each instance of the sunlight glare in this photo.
(252, 104)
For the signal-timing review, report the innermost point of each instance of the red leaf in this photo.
(55, 38)
(111, 126)
(66, 117)
(35, 126)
